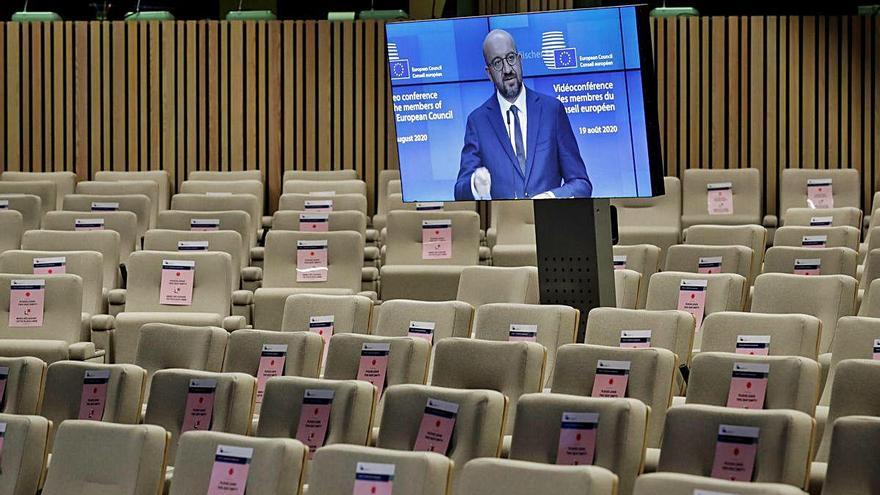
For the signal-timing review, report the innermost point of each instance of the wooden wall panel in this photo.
(766, 92)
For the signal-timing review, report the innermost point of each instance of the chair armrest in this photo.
(242, 297)
(485, 253)
(771, 221)
(85, 327)
(82, 351)
(371, 253)
(257, 253)
(103, 335)
(371, 235)
(251, 278)
(369, 274)
(103, 323)
(116, 297)
(491, 236)
(233, 323)
(267, 221)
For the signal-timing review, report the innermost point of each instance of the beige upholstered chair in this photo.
(223, 187)
(147, 188)
(24, 384)
(827, 297)
(688, 484)
(746, 184)
(642, 258)
(510, 477)
(841, 217)
(306, 186)
(160, 177)
(336, 220)
(670, 329)
(512, 235)
(341, 202)
(105, 242)
(416, 473)
(24, 453)
(783, 449)
(654, 221)
(303, 351)
(480, 285)
(135, 203)
(407, 359)
(122, 222)
(854, 340)
(65, 182)
(44, 189)
(225, 175)
(11, 223)
(620, 433)
(237, 221)
(686, 258)
(341, 174)
(834, 261)
(627, 285)
(792, 235)
(450, 318)
(247, 203)
(351, 314)
(29, 205)
(750, 236)
(852, 459)
(88, 265)
(651, 377)
(276, 466)
(161, 346)
(382, 190)
(790, 334)
(845, 182)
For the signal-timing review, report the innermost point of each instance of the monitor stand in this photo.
(575, 266)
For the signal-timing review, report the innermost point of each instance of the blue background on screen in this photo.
(604, 43)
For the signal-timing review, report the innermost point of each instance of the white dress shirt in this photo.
(509, 124)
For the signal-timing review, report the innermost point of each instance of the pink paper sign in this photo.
(272, 359)
(422, 330)
(230, 471)
(720, 198)
(199, 410)
(311, 261)
(323, 326)
(314, 222)
(635, 339)
(748, 385)
(176, 287)
(577, 439)
(753, 345)
(436, 239)
(374, 365)
(50, 266)
(94, 395)
(735, 453)
(438, 423)
(373, 479)
(811, 266)
(619, 262)
(709, 265)
(26, 303)
(87, 224)
(519, 332)
(692, 298)
(204, 224)
(611, 379)
(820, 193)
(318, 205)
(814, 241)
(314, 419)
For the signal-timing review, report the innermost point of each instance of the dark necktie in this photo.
(518, 139)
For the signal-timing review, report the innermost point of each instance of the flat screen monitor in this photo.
(555, 104)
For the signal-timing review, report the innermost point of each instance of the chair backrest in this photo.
(870, 270)
(514, 222)
(303, 356)
(105, 242)
(237, 221)
(345, 186)
(29, 205)
(336, 220)
(332, 175)
(62, 310)
(221, 188)
(852, 460)
(871, 301)
(43, 189)
(65, 385)
(827, 297)
(345, 254)
(232, 407)
(688, 484)
(512, 368)
(418, 473)
(341, 202)
(854, 340)
(627, 284)
(643, 258)
(746, 193)
(224, 241)
(225, 176)
(24, 385)
(162, 346)
(789, 334)
(160, 177)
(792, 382)
(833, 261)
(407, 358)
(247, 203)
(24, 453)
(276, 465)
(650, 380)
(135, 203)
(480, 285)
(783, 448)
(87, 264)
(670, 329)
(840, 217)
(750, 236)
(404, 238)
(382, 189)
(511, 477)
(478, 427)
(660, 210)
(120, 459)
(845, 186)
(847, 237)
(124, 223)
(211, 282)
(147, 188)
(65, 182)
(450, 318)
(351, 314)
(687, 257)
(395, 202)
(620, 432)
(852, 379)
(555, 326)
(351, 411)
(12, 225)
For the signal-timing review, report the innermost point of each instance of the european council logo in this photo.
(554, 52)
(399, 67)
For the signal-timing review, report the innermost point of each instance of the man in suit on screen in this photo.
(519, 143)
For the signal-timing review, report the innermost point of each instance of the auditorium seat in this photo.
(331, 175)
(135, 203)
(120, 459)
(302, 357)
(65, 182)
(642, 258)
(334, 221)
(688, 484)
(654, 221)
(852, 458)
(25, 377)
(161, 346)
(221, 188)
(334, 468)
(793, 236)
(840, 217)
(833, 261)
(789, 334)
(141, 303)
(650, 379)
(409, 273)
(450, 318)
(734, 259)
(385, 177)
(511, 477)
(627, 285)
(871, 301)
(480, 285)
(307, 186)
(750, 236)
(124, 223)
(237, 221)
(619, 437)
(827, 297)
(24, 453)
(351, 313)
(555, 326)
(692, 432)
(160, 177)
(746, 193)
(349, 419)
(11, 224)
(247, 203)
(146, 188)
(88, 265)
(276, 465)
(233, 402)
(512, 232)
(105, 242)
(43, 189)
(339, 202)
(225, 175)
(29, 205)
(846, 187)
